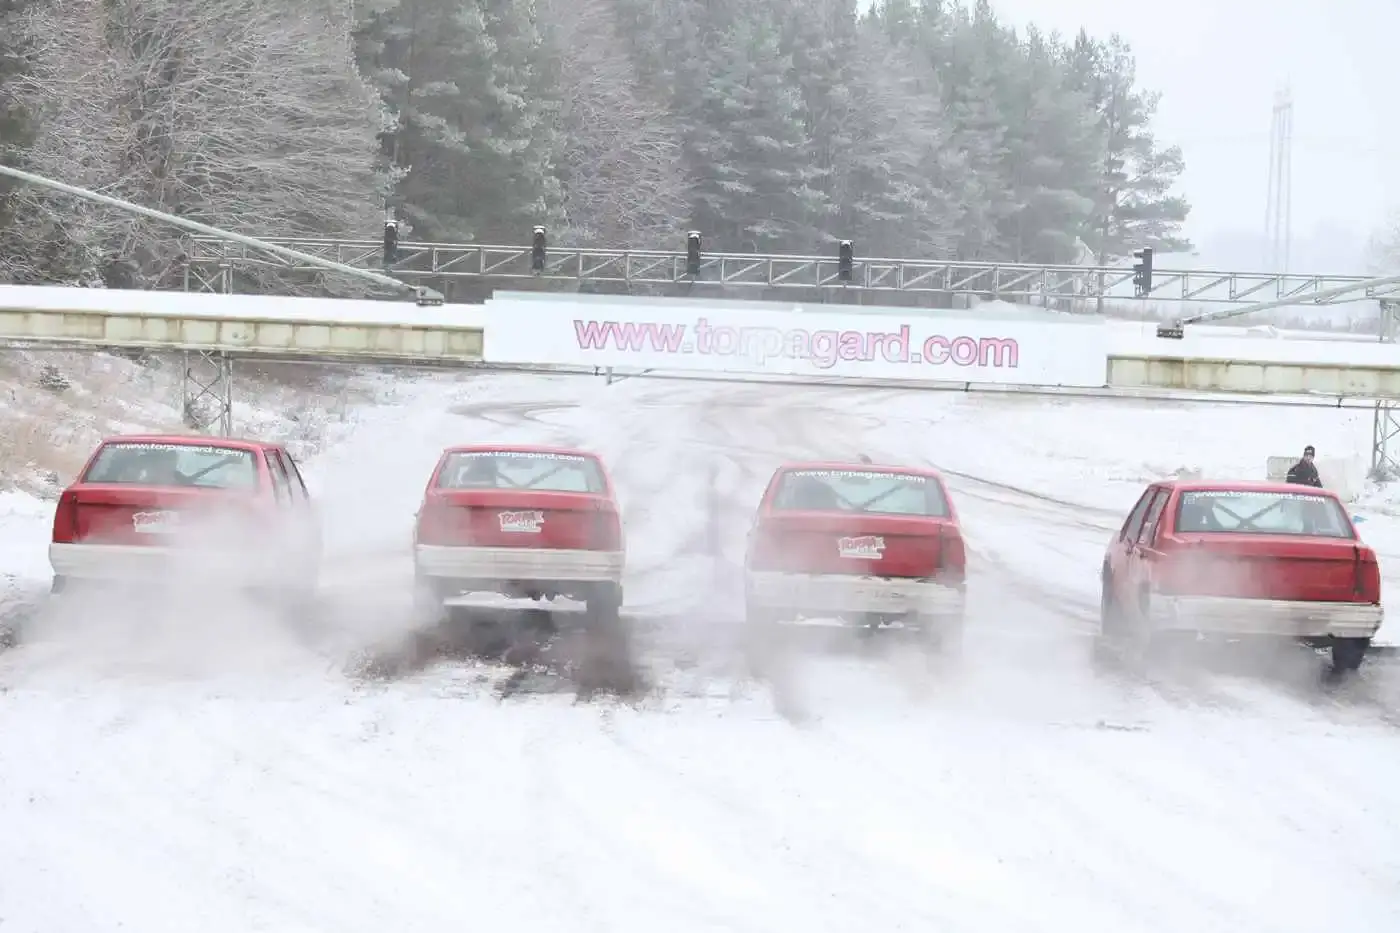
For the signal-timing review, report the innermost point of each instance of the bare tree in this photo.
(624, 178)
(1384, 246)
(246, 114)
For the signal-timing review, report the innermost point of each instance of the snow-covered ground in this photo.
(221, 773)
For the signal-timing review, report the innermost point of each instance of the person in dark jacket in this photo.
(1304, 472)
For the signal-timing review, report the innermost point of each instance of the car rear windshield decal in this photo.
(512, 453)
(197, 448)
(1252, 494)
(834, 474)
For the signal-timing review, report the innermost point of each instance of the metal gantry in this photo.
(1386, 425)
(207, 386)
(212, 261)
(207, 391)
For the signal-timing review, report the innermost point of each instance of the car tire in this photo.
(428, 608)
(1109, 640)
(760, 639)
(1348, 653)
(604, 605)
(59, 585)
(942, 635)
(1110, 613)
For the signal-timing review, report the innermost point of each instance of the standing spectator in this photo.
(1304, 472)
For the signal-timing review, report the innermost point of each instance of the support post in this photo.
(1386, 423)
(207, 391)
(206, 377)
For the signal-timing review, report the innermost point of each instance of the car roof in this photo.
(1245, 485)
(859, 467)
(519, 449)
(190, 440)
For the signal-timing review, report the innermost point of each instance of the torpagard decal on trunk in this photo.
(522, 522)
(864, 547)
(154, 523)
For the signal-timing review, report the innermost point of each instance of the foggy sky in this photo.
(1218, 64)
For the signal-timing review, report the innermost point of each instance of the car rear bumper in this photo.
(519, 564)
(838, 594)
(1296, 618)
(143, 564)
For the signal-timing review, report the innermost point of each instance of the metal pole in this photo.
(1174, 329)
(424, 295)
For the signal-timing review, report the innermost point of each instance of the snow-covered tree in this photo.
(621, 163)
(1135, 204)
(246, 114)
(471, 126)
(747, 148)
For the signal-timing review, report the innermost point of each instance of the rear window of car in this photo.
(197, 465)
(866, 491)
(1260, 512)
(543, 472)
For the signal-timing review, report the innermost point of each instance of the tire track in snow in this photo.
(735, 849)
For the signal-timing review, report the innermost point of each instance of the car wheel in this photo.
(428, 608)
(942, 634)
(605, 604)
(1348, 653)
(1110, 613)
(760, 638)
(298, 607)
(60, 583)
(1108, 642)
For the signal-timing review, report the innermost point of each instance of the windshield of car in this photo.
(198, 465)
(1260, 512)
(521, 470)
(870, 492)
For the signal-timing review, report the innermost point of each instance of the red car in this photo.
(524, 522)
(1242, 558)
(872, 546)
(146, 507)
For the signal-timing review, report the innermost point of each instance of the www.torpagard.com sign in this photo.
(822, 344)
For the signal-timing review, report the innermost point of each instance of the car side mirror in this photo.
(1358, 519)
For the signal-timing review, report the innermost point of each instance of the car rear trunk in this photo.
(511, 518)
(865, 545)
(1282, 567)
(146, 516)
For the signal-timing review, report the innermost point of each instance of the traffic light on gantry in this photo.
(692, 254)
(391, 242)
(537, 251)
(1142, 272)
(845, 261)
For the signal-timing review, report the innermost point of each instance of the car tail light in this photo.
(607, 531)
(764, 548)
(952, 554)
(65, 518)
(435, 523)
(1368, 577)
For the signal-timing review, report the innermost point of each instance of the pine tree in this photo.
(473, 127)
(621, 166)
(1134, 204)
(1052, 143)
(976, 56)
(746, 144)
(905, 177)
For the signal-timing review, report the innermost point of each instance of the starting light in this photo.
(845, 261)
(391, 242)
(1142, 272)
(692, 254)
(537, 251)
